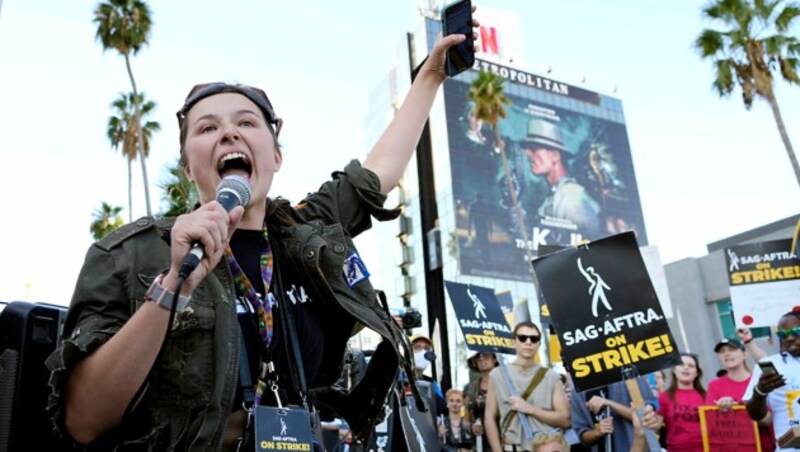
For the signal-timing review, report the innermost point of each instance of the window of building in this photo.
(725, 311)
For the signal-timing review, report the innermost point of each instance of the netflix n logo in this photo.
(487, 42)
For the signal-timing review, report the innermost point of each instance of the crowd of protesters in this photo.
(541, 411)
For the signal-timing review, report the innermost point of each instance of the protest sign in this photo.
(728, 431)
(764, 280)
(480, 317)
(605, 311)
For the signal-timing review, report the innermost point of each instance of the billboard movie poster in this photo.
(570, 170)
(605, 311)
(764, 281)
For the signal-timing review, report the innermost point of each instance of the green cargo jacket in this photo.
(192, 388)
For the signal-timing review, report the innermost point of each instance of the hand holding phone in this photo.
(767, 367)
(770, 378)
(457, 19)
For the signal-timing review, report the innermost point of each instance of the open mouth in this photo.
(235, 163)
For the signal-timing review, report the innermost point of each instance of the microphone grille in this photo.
(238, 185)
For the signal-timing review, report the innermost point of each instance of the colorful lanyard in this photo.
(263, 307)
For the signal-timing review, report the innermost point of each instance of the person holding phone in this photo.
(729, 389)
(775, 385)
(104, 394)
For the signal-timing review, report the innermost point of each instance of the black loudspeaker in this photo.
(29, 332)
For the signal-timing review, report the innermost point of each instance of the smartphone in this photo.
(457, 19)
(767, 367)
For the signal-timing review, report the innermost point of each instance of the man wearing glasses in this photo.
(537, 394)
(779, 391)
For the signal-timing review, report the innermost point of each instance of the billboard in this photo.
(569, 167)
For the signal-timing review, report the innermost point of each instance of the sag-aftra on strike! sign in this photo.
(605, 311)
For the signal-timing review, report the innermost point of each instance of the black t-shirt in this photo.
(247, 246)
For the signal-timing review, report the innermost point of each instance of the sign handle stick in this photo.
(629, 374)
(526, 426)
(607, 413)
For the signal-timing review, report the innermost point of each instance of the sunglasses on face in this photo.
(534, 338)
(794, 331)
(256, 95)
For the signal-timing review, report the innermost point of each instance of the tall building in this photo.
(479, 238)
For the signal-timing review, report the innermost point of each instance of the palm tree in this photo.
(754, 44)
(124, 25)
(123, 130)
(486, 93)
(179, 194)
(106, 219)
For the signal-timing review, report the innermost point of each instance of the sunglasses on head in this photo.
(794, 331)
(256, 95)
(534, 338)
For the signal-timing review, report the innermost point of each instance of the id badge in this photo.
(283, 429)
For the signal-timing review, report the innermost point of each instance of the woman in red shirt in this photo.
(728, 389)
(678, 406)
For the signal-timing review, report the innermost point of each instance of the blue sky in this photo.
(706, 168)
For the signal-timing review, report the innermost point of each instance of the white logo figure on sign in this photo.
(597, 287)
(480, 309)
(734, 261)
(283, 428)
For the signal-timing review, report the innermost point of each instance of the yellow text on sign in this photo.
(623, 355)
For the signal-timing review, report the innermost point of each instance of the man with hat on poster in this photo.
(568, 202)
(481, 363)
(423, 357)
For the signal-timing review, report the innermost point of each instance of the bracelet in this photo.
(747, 341)
(758, 391)
(163, 296)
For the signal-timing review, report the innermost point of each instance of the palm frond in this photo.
(710, 42)
(723, 80)
(786, 17)
(788, 68)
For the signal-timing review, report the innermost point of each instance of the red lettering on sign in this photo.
(489, 40)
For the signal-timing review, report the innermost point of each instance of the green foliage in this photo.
(123, 25)
(122, 128)
(179, 194)
(105, 220)
(122, 131)
(486, 92)
(751, 43)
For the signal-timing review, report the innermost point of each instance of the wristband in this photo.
(758, 391)
(163, 296)
(747, 341)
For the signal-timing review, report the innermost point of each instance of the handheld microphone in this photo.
(232, 191)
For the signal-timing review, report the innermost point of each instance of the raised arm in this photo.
(746, 336)
(391, 154)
